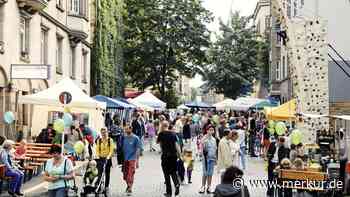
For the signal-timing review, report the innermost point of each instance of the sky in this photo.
(221, 9)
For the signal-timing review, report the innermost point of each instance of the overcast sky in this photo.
(221, 9)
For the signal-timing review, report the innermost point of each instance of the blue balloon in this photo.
(9, 117)
(94, 134)
(68, 120)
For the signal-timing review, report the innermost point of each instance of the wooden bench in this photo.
(3, 177)
(295, 179)
(36, 156)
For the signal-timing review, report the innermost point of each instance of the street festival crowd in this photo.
(206, 138)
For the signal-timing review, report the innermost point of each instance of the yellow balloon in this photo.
(67, 110)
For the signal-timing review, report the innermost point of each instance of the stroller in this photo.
(97, 189)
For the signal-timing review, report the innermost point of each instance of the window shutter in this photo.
(82, 8)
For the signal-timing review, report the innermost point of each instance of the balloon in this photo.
(94, 134)
(79, 147)
(58, 125)
(9, 117)
(296, 137)
(271, 130)
(271, 124)
(280, 128)
(68, 120)
(67, 110)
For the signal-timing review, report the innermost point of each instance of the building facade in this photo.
(56, 33)
(262, 19)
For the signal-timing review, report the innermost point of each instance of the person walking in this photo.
(132, 147)
(151, 131)
(170, 154)
(104, 152)
(58, 172)
(242, 145)
(187, 131)
(209, 155)
(11, 170)
(138, 127)
(225, 157)
(235, 149)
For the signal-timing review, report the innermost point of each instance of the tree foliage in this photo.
(164, 36)
(234, 58)
(107, 71)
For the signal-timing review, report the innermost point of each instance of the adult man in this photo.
(170, 154)
(138, 127)
(104, 152)
(252, 135)
(222, 128)
(276, 152)
(131, 146)
(225, 157)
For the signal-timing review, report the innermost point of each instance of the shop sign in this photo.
(30, 71)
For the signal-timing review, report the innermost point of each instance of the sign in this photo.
(30, 71)
(65, 98)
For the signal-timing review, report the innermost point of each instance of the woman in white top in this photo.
(235, 148)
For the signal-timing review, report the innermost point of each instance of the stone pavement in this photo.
(149, 181)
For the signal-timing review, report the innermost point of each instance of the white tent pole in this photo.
(64, 131)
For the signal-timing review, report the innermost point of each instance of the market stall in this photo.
(150, 100)
(47, 101)
(244, 103)
(286, 111)
(115, 109)
(224, 105)
(198, 104)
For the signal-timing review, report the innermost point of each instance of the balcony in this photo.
(2, 2)
(32, 6)
(79, 27)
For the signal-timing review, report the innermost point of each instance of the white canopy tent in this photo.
(183, 107)
(244, 103)
(225, 104)
(141, 106)
(149, 99)
(48, 100)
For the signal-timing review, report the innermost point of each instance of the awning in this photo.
(198, 104)
(245, 103)
(141, 106)
(264, 103)
(287, 111)
(113, 103)
(225, 104)
(150, 100)
(183, 107)
(50, 96)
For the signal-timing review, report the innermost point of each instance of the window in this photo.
(75, 6)
(84, 66)
(24, 36)
(59, 3)
(289, 8)
(44, 46)
(79, 7)
(278, 71)
(59, 48)
(295, 6)
(72, 62)
(283, 67)
(302, 3)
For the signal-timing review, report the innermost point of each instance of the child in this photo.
(189, 162)
(298, 164)
(91, 174)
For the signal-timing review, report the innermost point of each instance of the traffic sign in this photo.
(65, 98)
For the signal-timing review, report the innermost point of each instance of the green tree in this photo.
(107, 66)
(233, 58)
(164, 36)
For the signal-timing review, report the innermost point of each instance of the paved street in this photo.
(149, 179)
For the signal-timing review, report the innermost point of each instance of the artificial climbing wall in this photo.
(307, 49)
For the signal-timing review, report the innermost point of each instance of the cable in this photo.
(347, 74)
(341, 57)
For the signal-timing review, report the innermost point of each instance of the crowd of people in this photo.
(214, 138)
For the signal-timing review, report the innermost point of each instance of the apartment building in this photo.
(53, 33)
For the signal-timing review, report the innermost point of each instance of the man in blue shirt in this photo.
(132, 147)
